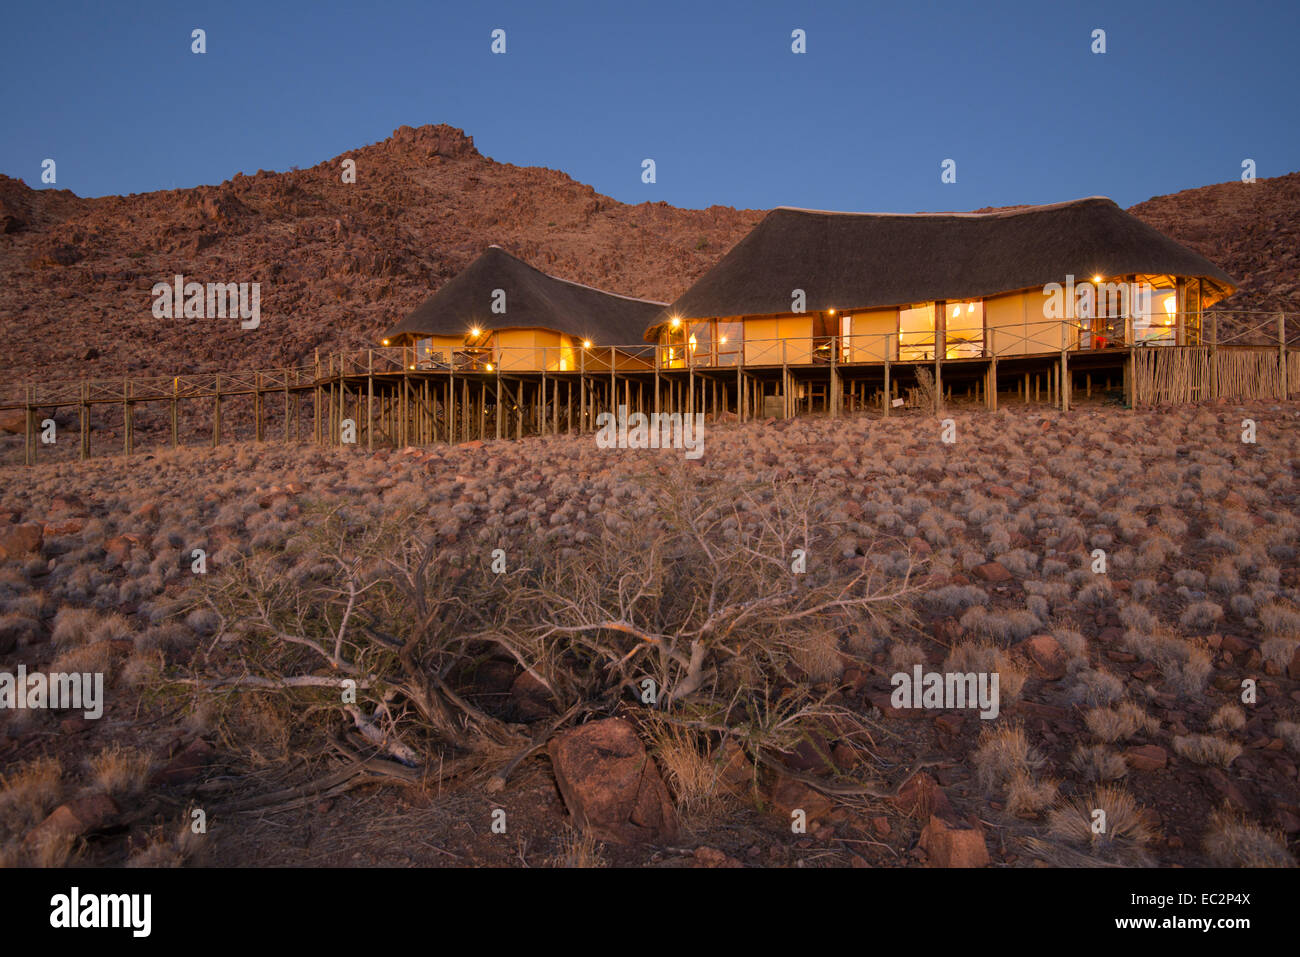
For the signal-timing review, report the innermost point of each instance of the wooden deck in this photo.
(382, 398)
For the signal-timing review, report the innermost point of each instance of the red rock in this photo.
(948, 844)
(1047, 655)
(610, 785)
(1233, 644)
(921, 796)
(77, 818)
(530, 699)
(68, 526)
(1146, 757)
(993, 572)
(20, 541)
(789, 795)
(1233, 500)
(735, 771)
(711, 857)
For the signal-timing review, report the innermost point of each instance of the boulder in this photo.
(1146, 757)
(75, 819)
(1047, 655)
(611, 785)
(789, 795)
(950, 844)
(21, 541)
(992, 572)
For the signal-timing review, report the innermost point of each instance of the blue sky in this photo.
(710, 90)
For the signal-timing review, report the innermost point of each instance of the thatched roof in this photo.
(534, 300)
(863, 260)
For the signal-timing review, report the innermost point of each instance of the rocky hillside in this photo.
(337, 262)
(1252, 230)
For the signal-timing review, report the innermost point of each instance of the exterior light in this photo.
(675, 322)
(831, 312)
(586, 343)
(1096, 278)
(385, 342)
(489, 367)
(411, 367)
(475, 332)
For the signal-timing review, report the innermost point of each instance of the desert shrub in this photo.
(1233, 841)
(1097, 763)
(1184, 664)
(699, 597)
(1201, 614)
(1094, 686)
(1127, 830)
(1003, 752)
(28, 793)
(1207, 749)
(1119, 722)
(1230, 717)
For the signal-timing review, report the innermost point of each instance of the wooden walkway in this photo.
(384, 398)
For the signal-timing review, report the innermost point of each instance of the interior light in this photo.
(489, 367)
(1170, 303)
(956, 311)
(692, 342)
(723, 340)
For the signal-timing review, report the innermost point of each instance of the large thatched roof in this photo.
(862, 260)
(534, 300)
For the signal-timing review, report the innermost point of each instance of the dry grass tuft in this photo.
(1233, 841)
(29, 794)
(121, 772)
(1120, 829)
(1004, 752)
(1207, 749)
(579, 849)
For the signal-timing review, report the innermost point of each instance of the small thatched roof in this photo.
(863, 260)
(534, 300)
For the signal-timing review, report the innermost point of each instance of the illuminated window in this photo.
(965, 329)
(916, 332)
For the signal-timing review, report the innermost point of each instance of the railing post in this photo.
(834, 397)
(785, 380)
(1214, 355)
(889, 351)
(1281, 354)
(1063, 384)
(991, 391)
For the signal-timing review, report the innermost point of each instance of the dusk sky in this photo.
(711, 91)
